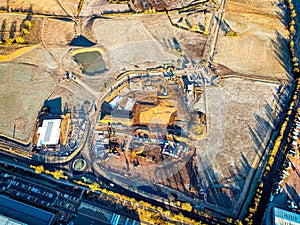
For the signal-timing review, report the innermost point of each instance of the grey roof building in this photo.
(24, 213)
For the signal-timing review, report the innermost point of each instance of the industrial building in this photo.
(49, 132)
(16, 212)
(9, 221)
(89, 214)
(284, 217)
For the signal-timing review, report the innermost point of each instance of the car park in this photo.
(279, 189)
(49, 195)
(294, 143)
(292, 153)
(291, 205)
(73, 198)
(295, 137)
(64, 216)
(282, 176)
(30, 198)
(287, 165)
(15, 183)
(285, 172)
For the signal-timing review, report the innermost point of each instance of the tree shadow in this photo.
(223, 192)
(223, 25)
(262, 131)
(3, 29)
(13, 29)
(282, 53)
(281, 103)
(179, 177)
(283, 14)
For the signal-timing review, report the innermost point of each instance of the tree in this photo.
(271, 160)
(186, 206)
(167, 213)
(27, 23)
(231, 33)
(292, 28)
(252, 210)
(229, 220)
(9, 41)
(20, 40)
(25, 31)
(237, 222)
(292, 22)
(294, 59)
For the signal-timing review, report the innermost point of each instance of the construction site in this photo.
(58, 132)
(187, 112)
(148, 125)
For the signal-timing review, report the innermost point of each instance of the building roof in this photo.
(27, 214)
(49, 132)
(9, 221)
(284, 217)
(93, 214)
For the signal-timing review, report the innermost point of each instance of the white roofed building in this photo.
(284, 217)
(49, 132)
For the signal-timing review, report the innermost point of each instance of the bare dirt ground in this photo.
(241, 117)
(57, 33)
(23, 90)
(159, 5)
(53, 7)
(72, 96)
(260, 49)
(241, 114)
(137, 40)
(192, 44)
(129, 42)
(101, 6)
